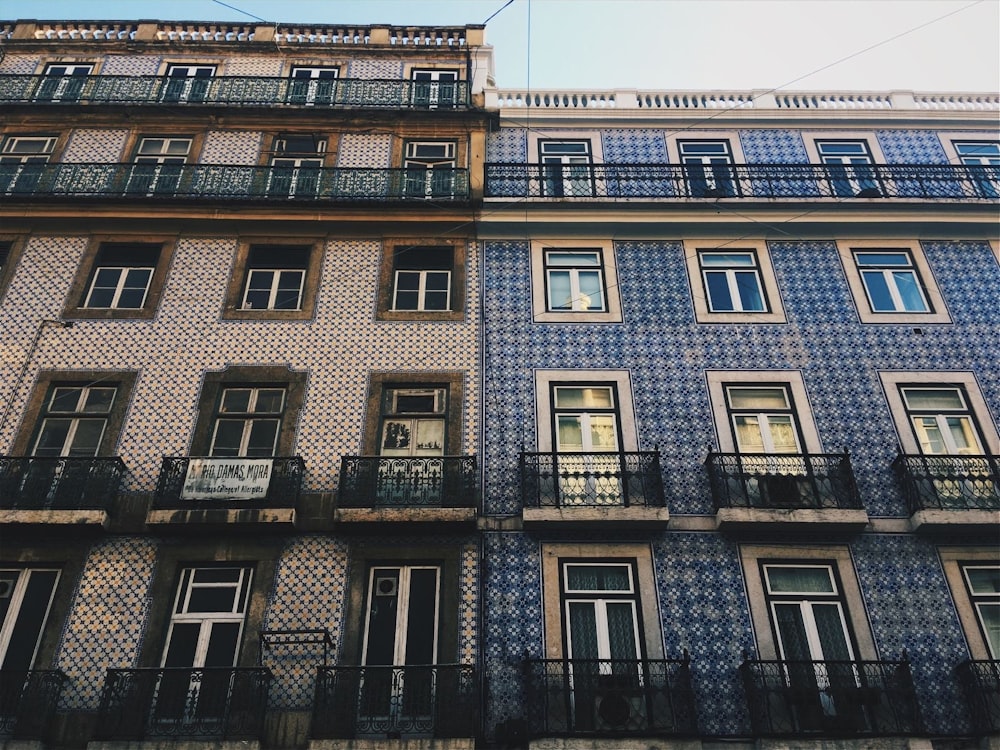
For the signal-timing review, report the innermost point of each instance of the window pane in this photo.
(984, 580)
(222, 644)
(882, 259)
(878, 291)
(228, 437)
(396, 435)
(748, 435)
(416, 402)
(422, 609)
(572, 259)
(99, 400)
(212, 599)
(757, 398)
(269, 400)
(289, 290)
(727, 259)
(27, 631)
(929, 434)
(217, 575)
(52, 438)
(989, 615)
(598, 578)
(570, 433)
(782, 433)
(430, 437)
(597, 398)
(583, 630)
(792, 632)
(719, 298)
(591, 293)
(962, 435)
(933, 398)
(830, 628)
(236, 400)
(799, 580)
(749, 291)
(909, 291)
(560, 294)
(263, 435)
(87, 438)
(602, 432)
(65, 399)
(621, 630)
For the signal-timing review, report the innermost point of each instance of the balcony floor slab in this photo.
(452, 743)
(954, 521)
(221, 516)
(54, 517)
(769, 519)
(592, 516)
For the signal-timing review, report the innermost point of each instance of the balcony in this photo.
(950, 493)
(407, 489)
(235, 91)
(58, 490)
(214, 490)
(228, 182)
(435, 701)
(754, 491)
(981, 682)
(28, 702)
(744, 182)
(609, 698)
(622, 488)
(226, 703)
(831, 698)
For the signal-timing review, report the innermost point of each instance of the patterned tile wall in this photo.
(627, 146)
(253, 66)
(911, 147)
(363, 150)
(371, 69)
(107, 618)
(231, 147)
(773, 146)
(19, 64)
(130, 65)
(95, 146)
(187, 338)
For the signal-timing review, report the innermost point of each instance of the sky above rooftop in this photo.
(795, 45)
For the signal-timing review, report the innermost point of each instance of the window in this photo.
(422, 282)
(984, 591)
(984, 159)
(732, 281)
(275, 281)
(566, 168)
(422, 278)
(401, 621)
(434, 89)
(891, 282)
(312, 86)
(187, 83)
(763, 419)
(585, 425)
(601, 617)
(574, 282)
(248, 422)
(849, 168)
(942, 420)
(63, 82)
(708, 168)
(21, 161)
(74, 421)
(295, 165)
(158, 165)
(25, 599)
(413, 421)
(429, 169)
(121, 277)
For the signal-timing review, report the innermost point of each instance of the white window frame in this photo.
(422, 276)
(596, 152)
(75, 417)
(249, 417)
(887, 272)
(579, 302)
(600, 605)
(157, 160)
(703, 313)
(413, 162)
(313, 81)
(23, 160)
(954, 560)
(937, 312)
(16, 597)
(391, 413)
(123, 273)
(189, 79)
(539, 284)
(403, 584)
(275, 287)
(59, 94)
(545, 379)
(434, 100)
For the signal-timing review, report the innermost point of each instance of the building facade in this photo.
(352, 402)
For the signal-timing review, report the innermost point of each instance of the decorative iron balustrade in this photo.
(203, 482)
(743, 181)
(28, 701)
(28, 483)
(949, 482)
(231, 182)
(981, 682)
(408, 482)
(609, 697)
(782, 480)
(438, 701)
(833, 698)
(242, 91)
(611, 479)
(217, 703)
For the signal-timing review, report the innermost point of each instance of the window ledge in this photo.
(54, 518)
(597, 516)
(954, 521)
(758, 519)
(407, 516)
(221, 517)
(420, 316)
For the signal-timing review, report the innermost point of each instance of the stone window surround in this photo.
(540, 313)
(768, 281)
(386, 280)
(233, 310)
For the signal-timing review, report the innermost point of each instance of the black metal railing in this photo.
(949, 482)
(201, 482)
(753, 181)
(437, 701)
(28, 483)
(130, 181)
(834, 698)
(609, 697)
(981, 682)
(28, 701)
(235, 91)
(408, 482)
(221, 703)
(782, 480)
(611, 479)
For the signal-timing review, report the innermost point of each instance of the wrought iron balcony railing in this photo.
(28, 483)
(981, 682)
(782, 480)
(209, 703)
(128, 181)
(949, 482)
(240, 91)
(437, 701)
(204, 482)
(618, 479)
(743, 181)
(28, 701)
(408, 482)
(833, 698)
(609, 697)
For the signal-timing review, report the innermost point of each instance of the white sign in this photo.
(227, 478)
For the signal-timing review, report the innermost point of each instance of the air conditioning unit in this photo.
(386, 586)
(619, 711)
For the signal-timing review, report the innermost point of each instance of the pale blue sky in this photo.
(656, 44)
